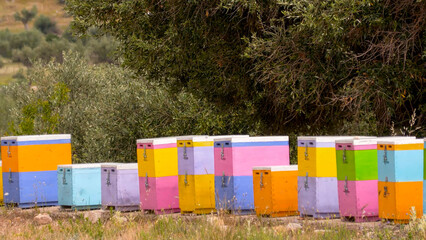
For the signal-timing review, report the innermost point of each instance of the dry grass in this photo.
(50, 8)
(8, 70)
(18, 224)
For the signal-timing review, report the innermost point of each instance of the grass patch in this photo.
(8, 70)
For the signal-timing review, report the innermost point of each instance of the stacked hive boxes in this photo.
(158, 174)
(196, 174)
(400, 168)
(30, 168)
(357, 178)
(234, 159)
(317, 179)
(79, 186)
(275, 190)
(424, 176)
(120, 186)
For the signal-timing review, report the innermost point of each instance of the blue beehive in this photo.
(79, 186)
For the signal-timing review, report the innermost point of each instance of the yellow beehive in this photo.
(196, 193)
(275, 190)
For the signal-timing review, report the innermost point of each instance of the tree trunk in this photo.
(26, 26)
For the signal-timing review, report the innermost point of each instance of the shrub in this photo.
(46, 25)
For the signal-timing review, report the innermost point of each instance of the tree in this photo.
(25, 16)
(46, 25)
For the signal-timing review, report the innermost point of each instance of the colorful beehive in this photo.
(275, 190)
(158, 174)
(400, 172)
(234, 159)
(120, 186)
(424, 176)
(1, 183)
(79, 186)
(317, 176)
(196, 173)
(30, 168)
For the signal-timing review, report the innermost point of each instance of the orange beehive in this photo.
(275, 190)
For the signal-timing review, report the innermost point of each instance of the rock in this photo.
(42, 219)
(93, 216)
(294, 226)
(118, 218)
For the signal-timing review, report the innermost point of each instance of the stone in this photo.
(42, 219)
(93, 216)
(294, 226)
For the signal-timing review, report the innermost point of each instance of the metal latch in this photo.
(306, 152)
(385, 188)
(146, 181)
(261, 179)
(186, 179)
(108, 180)
(185, 155)
(8, 149)
(223, 179)
(145, 157)
(64, 180)
(222, 152)
(306, 182)
(10, 175)
(344, 154)
(385, 155)
(346, 185)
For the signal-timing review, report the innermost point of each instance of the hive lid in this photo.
(331, 138)
(204, 138)
(162, 140)
(121, 165)
(277, 168)
(82, 165)
(401, 141)
(254, 139)
(38, 137)
(367, 141)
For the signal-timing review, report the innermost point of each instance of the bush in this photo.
(27, 38)
(46, 25)
(101, 50)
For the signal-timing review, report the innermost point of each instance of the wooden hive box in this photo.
(120, 186)
(275, 190)
(79, 186)
(158, 174)
(30, 168)
(1, 183)
(424, 176)
(400, 168)
(234, 158)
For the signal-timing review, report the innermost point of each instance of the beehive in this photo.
(120, 186)
(275, 190)
(1, 183)
(424, 176)
(79, 186)
(234, 158)
(400, 172)
(317, 177)
(30, 168)
(158, 174)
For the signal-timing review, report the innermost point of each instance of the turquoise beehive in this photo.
(79, 186)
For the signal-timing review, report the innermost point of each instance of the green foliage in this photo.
(106, 108)
(46, 25)
(25, 16)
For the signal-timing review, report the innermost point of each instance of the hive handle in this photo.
(344, 154)
(385, 155)
(306, 152)
(385, 193)
(222, 152)
(261, 179)
(186, 179)
(108, 180)
(145, 157)
(306, 182)
(346, 185)
(10, 175)
(8, 149)
(223, 179)
(146, 181)
(64, 180)
(185, 155)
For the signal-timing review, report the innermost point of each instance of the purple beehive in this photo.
(120, 186)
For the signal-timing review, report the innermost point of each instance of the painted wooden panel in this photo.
(82, 194)
(120, 186)
(157, 157)
(318, 197)
(396, 199)
(248, 152)
(234, 193)
(35, 152)
(29, 189)
(197, 193)
(1, 183)
(160, 194)
(359, 199)
(275, 190)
